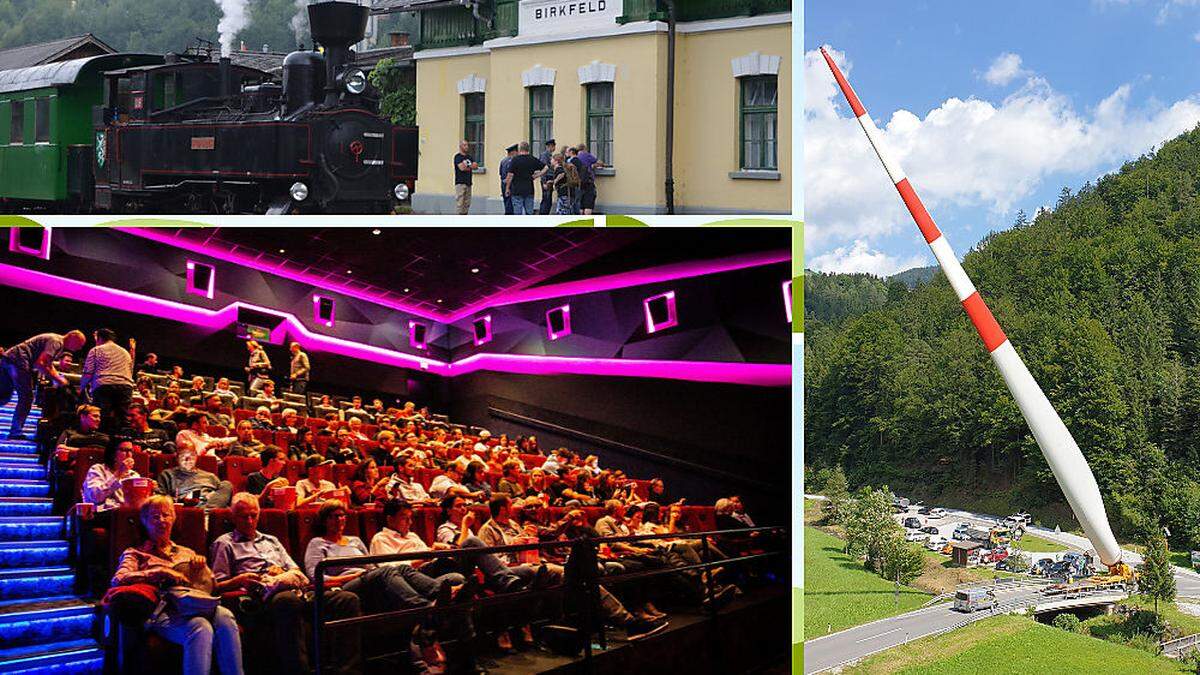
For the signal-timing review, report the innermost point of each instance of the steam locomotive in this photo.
(185, 134)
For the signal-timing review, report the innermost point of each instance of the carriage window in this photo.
(41, 120)
(164, 90)
(17, 133)
(124, 98)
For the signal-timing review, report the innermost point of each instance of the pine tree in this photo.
(1157, 581)
(837, 491)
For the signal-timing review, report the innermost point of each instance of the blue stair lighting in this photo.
(44, 627)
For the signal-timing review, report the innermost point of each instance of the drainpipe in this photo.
(670, 182)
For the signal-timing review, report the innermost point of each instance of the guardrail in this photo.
(1179, 646)
(585, 581)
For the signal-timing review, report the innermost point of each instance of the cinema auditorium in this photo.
(356, 450)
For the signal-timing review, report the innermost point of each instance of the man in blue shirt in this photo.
(258, 563)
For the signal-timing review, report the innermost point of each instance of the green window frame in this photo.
(16, 133)
(541, 116)
(474, 127)
(600, 104)
(41, 120)
(758, 122)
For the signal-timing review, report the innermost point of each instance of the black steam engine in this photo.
(194, 135)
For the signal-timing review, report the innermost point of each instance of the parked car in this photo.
(913, 523)
(963, 531)
(930, 529)
(994, 555)
(1041, 567)
(937, 513)
(916, 535)
(1195, 559)
(1020, 518)
(936, 543)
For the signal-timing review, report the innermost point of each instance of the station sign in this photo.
(552, 17)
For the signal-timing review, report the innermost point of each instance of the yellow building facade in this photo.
(608, 84)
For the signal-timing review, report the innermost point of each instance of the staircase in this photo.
(44, 626)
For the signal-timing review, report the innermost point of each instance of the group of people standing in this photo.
(567, 179)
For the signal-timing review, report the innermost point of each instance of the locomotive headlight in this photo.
(401, 191)
(356, 82)
(299, 191)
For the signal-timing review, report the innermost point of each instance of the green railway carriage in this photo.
(47, 138)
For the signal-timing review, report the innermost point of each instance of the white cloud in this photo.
(1005, 69)
(966, 153)
(859, 257)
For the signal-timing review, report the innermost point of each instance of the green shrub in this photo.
(1066, 621)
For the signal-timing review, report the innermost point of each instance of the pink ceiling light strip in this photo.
(597, 284)
(217, 319)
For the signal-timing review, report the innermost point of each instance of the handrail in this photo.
(587, 581)
(633, 450)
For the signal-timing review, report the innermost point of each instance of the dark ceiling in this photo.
(446, 269)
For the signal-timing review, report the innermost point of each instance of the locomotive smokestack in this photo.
(335, 26)
(223, 69)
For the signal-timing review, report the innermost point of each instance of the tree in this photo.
(901, 561)
(869, 525)
(397, 98)
(1157, 580)
(836, 492)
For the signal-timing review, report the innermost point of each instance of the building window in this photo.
(41, 120)
(600, 121)
(541, 117)
(17, 130)
(759, 122)
(473, 125)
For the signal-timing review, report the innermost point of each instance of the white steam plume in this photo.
(234, 18)
(299, 19)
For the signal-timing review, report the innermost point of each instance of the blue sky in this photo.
(990, 109)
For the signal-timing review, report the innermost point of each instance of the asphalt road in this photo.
(855, 643)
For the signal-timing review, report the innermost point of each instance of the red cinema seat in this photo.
(189, 529)
(425, 522)
(322, 443)
(241, 414)
(372, 521)
(218, 431)
(426, 476)
(81, 460)
(283, 440)
(294, 470)
(160, 463)
(532, 461)
(343, 474)
(209, 463)
(237, 468)
(315, 423)
(593, 513)
(141, 463)
(267, 436)
(641, 488)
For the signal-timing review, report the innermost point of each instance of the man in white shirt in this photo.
(227, 395)
(194, 435)
(481, 448)
(450, 484)
(403, 483)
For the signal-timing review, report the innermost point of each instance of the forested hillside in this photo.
(158, 26)
(1101, 296)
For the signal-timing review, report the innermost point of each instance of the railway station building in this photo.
(497, 72)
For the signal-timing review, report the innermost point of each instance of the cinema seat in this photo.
(300, 527)
(266, 436)
(237, 468)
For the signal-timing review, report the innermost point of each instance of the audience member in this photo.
(260, 483)
(87, 435)
(298, 371)
(246, 444)
(146, 437)
(302, 446)
(102, 485)
(193, 486)
(214, 410)
(249, 560)
(161, 562)
(449, 484)
(194, 436)
(367, 487)
(315, 486)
